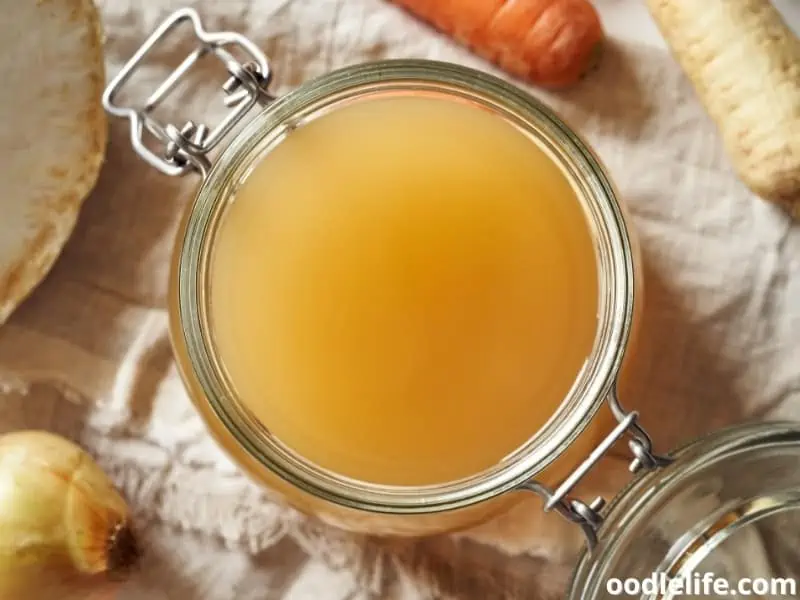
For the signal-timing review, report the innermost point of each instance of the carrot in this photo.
(552, 43)
(744, 62)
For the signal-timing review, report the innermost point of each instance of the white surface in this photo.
(88, 355)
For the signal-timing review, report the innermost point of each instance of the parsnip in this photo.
(744, 62)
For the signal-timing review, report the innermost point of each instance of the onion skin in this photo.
(64, 530)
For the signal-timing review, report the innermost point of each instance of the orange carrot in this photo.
(549, 42)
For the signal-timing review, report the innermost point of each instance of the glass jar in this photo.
(719, 518)
(585, 426)
(721, 521)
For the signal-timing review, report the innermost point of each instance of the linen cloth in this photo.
(88, 356)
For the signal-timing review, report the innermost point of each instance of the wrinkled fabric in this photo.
(88, 355)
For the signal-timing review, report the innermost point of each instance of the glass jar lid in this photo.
(721, 521)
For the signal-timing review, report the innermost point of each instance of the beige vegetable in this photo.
(64, 530)
(744, 62)
(52, 133)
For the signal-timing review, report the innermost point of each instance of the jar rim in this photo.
(635, 504)
(615, 258)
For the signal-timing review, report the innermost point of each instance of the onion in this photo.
(64, 530)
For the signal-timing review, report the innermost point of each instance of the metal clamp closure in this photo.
(185, 148)
(588, 516)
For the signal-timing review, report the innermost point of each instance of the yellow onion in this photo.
(64, 529)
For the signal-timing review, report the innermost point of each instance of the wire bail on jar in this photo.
(588, 516)
(185, 148)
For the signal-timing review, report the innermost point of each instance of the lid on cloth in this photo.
(721, 521)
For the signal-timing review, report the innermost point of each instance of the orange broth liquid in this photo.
(404, 290)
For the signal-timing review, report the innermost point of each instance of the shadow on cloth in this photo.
(676, 377)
